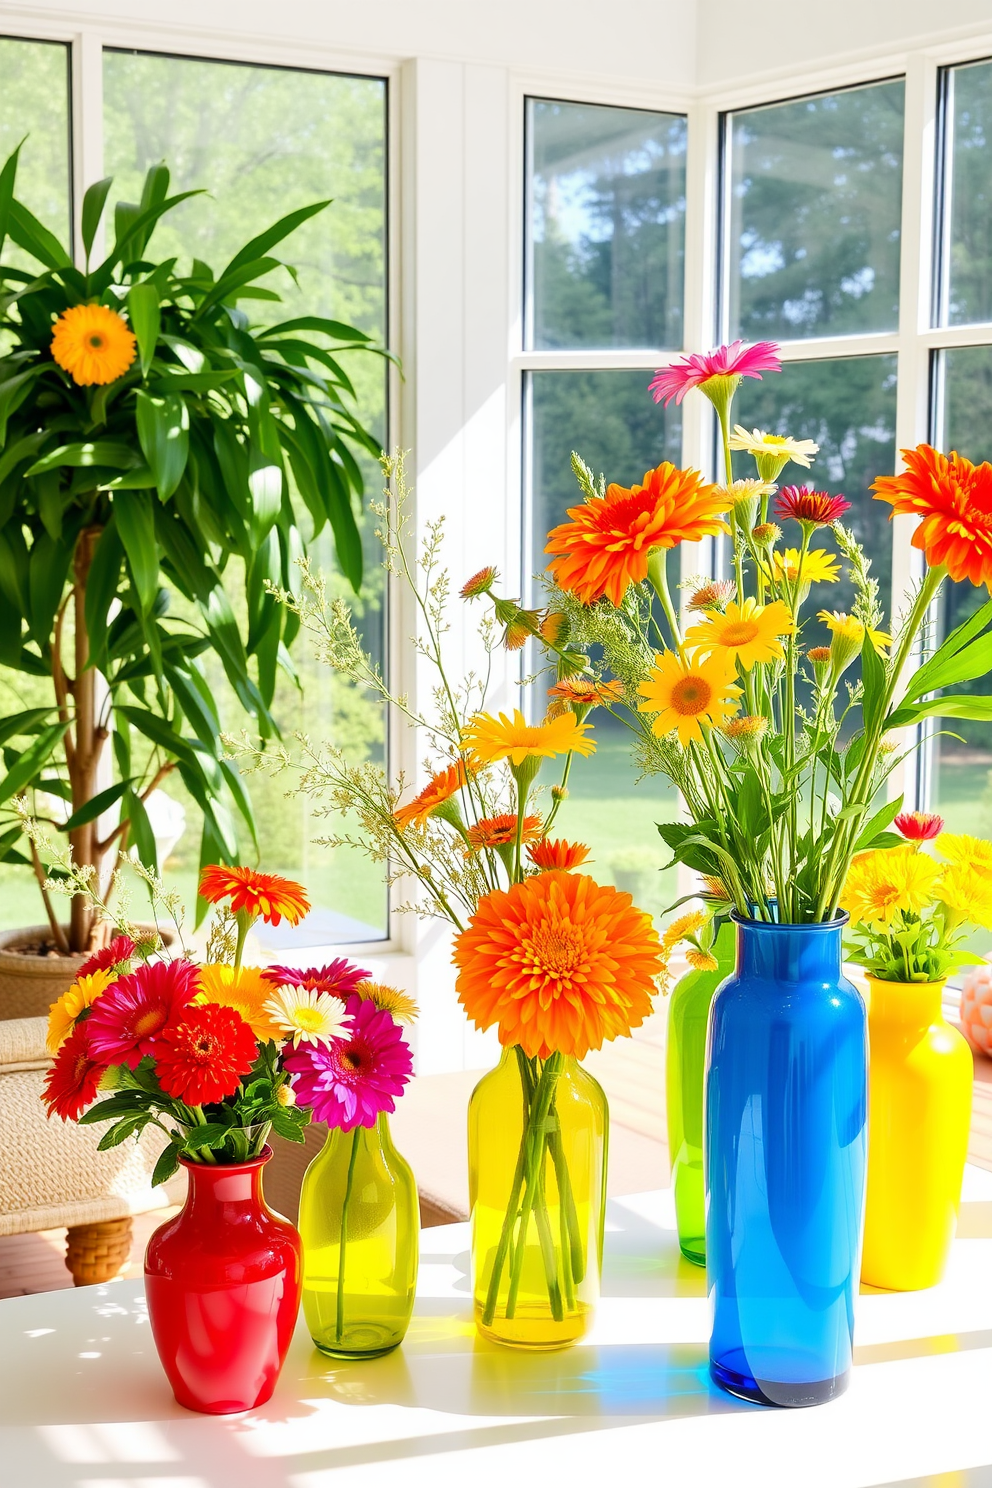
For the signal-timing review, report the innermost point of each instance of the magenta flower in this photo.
(818, 508)
(339, 977)
(128, 1018)
(348, 1083)
(696, 370)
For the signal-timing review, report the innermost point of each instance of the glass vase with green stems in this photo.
(538, 1138)
(359, 1218)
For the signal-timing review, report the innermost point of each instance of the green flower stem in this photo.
(566, 1199)
(658, 576)
(534, 1143)
(339, 1317)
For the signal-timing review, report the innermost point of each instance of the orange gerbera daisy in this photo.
(93, 344)
(258, 894)
(440, 788)
(499, 831)
(491, 739)
(559, 963)
(954, 499)
(558, 854)
(245, 990)
(582, 692)
(606, 545)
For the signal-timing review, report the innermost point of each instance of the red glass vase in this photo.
(223, 1281)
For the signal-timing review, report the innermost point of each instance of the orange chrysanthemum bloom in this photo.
(559, 963)
(500, 831)
(439, 789)
(558, 854)
(954, 499)
(606, 545)
(93, 344)
(268, 895)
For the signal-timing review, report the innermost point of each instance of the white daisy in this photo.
(311, 1017)
(757, 442)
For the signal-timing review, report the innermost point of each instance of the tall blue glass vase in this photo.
(786, 1153)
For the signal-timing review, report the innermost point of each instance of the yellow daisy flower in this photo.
(403, 1008)
(489, 739)
(311, 1017)
(748, 632)
(82, 994)
(967, 895)
(819, 566)
(701, 960)
(757, 442)
(881, 883)
(849, 628)
(246, 992)
(686, 695)
(969, 852)
(93, 344)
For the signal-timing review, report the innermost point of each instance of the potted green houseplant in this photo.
(149, 434)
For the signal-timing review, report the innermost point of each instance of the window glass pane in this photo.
(848, 406)
(610, 420)
(813, 215)
(606, 219)
(961, 767)
(969, 266)
(264, 141)
(34, 107)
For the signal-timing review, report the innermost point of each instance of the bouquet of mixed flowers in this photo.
(218, 1055)
(779, 759)
(909, 911)
(557, 962)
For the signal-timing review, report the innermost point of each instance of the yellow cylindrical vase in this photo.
(919, 1113)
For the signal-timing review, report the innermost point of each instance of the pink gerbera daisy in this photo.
(353, 1079)
(117, 953)
(339, 977)
(128, 1018)
(729, 362)
(818, 508)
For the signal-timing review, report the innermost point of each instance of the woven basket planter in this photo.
(30, 984)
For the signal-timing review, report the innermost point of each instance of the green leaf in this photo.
(105, 452)
(955, 705)
(23, 723)
(163, 429)
(101, 587)
(160, 732)
(167, 1164)
(48, 567)
(335, 328)
(124, 1103)
(256, 247)
(211, 1135)
(31, 761)
(122, 1130)
(135, 517)
(96, 806)
(142, 836)
(94, 202)
(31, 235)
(873, 677)
(8, 177)
(878, 823)
(146, 320)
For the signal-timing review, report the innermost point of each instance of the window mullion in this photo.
(87, 129)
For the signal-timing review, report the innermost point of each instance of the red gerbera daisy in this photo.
(919, 826)
(818, 508)
(202, 1057)
(71, 1083)
(117, 953)
(339, 977)
(128, 1018)
(558, 854)
(733, 361)
(259, 894)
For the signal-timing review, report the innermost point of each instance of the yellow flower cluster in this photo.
(886, 881)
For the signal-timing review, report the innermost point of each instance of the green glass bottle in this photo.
(688, 1010)
(360, 1222)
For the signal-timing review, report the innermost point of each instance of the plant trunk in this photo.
(89, 738)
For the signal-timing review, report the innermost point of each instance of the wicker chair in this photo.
(51, 1173)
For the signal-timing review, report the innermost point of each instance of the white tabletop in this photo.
(84, 1403)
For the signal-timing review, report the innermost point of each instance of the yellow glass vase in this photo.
(360, 1222)
(919, 1113)
(538, 1133)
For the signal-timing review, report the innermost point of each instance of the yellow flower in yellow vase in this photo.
(967, 895)
(881, 883)
(750, 632)
(687, 695)
(82, 994)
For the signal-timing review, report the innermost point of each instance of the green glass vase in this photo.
(688, 1010)
(359, 1218)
